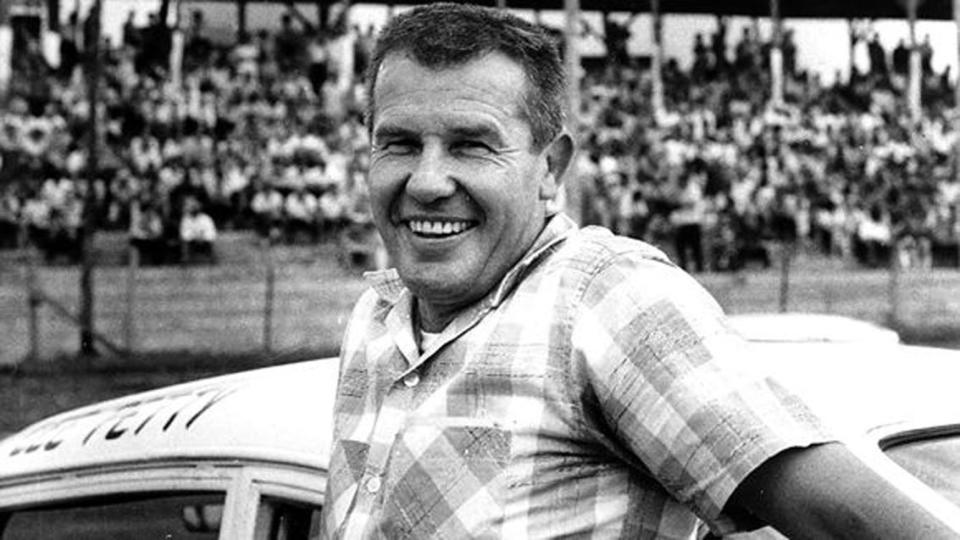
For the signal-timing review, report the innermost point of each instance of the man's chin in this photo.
(434, 286)
(439, 284)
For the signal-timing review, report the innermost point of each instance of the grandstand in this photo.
(264, 134)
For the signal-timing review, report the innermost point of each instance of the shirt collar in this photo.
(557, 229)
(386, 283)
(390, 288)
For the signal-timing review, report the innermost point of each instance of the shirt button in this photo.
(373, 484)
(411, 380)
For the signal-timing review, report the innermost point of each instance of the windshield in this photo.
(935, 461)
(127, 517)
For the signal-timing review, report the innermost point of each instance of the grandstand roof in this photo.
(841, 9)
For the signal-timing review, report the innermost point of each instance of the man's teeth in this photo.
(439, 228)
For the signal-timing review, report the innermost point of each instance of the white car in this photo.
(235, 457)
(896, 406)
(809, 327)
(244, 456)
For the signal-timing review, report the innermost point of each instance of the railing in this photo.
(271, 301)
(922, 304)
(283, 301)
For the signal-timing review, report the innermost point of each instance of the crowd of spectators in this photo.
(724, 179)
(260, 135)
(266, 134)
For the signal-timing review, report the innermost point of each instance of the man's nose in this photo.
(432, 178)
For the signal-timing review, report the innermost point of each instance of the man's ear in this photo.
(558, 154)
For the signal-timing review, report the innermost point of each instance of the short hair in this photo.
(446, 35)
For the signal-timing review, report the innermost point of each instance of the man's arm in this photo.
(825, 491)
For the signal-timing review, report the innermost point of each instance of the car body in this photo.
(895, 406)
(245, 456)
(809, 327)
(239, 456)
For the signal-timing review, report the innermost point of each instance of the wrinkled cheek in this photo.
(383, 204)
(393, 243)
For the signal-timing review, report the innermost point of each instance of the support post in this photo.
(87, 348)
(956, 84)
(852, 33)
(53, 16)
(241, 17)
(33, 305)
(828, 298)
(786, 254)
(956, 227)
(176, 48)
(893, 289)
(956, 105)
(6, 49)
(776, 54)
(129, 323)
(656, 99)
(573, 191)
(176, 57)
(323, 22)
(271, 278)
(915, 75)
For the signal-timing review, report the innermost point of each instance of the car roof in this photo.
(284, 414)
(807, 327)
(279, 414)
(867, 387)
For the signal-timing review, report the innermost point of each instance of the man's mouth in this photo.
(439, 228)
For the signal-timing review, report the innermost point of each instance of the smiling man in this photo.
(458, 187)
(514, 376)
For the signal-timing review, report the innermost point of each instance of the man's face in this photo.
(457, 190)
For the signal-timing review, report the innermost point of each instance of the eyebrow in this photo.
(478, 131)
(392, 132)
(469, 131)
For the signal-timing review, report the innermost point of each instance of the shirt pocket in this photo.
(458, 438)
(446, 478)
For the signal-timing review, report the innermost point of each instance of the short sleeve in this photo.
(666, 372)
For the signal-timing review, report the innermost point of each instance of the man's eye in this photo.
(398, 147)
(472, 147)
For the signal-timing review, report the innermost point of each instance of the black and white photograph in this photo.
(660, 269)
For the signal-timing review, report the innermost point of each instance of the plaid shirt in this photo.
(594, 393)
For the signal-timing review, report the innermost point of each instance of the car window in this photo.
(280, 519)
(934, 460)
(193, 516)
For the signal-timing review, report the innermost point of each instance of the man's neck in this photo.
(434, 319)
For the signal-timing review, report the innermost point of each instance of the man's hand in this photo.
(826, 491)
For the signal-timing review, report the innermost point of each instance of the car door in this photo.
(226, 500)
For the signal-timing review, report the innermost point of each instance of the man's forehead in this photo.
(489, 67)
(476, 95)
